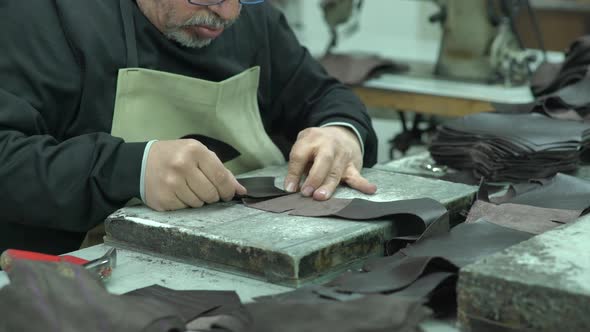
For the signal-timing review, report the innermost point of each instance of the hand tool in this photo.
(102, 266)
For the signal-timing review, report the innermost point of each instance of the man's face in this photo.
(193, 25)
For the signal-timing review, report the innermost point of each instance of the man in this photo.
(95, 97)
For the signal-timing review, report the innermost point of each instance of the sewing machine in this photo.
(478, 41)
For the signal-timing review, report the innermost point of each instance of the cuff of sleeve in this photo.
(353, 128)
(146, 153)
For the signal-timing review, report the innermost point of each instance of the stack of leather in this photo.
(512, 147)
(550, 77)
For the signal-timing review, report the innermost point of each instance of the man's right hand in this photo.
(185, 174)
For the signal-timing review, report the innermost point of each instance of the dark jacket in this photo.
(61, 172)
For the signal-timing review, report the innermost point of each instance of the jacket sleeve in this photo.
(306, 95)
(53, 174)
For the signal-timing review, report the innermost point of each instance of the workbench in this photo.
(419, 91)
(140, 269)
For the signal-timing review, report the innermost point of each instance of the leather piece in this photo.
(426, 270)
(261, 187)
(43, 297)
(559, 192)
(393, 276)
(413, 216)
(525, 218)
(560, 89)
(224, 151)
(371, 313)
(465, 243)
(299, 205)
(263, 195)
(355, 69)
(190, 304)
(552, 77)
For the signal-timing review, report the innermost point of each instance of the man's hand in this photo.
(332, 155)
(184, 173)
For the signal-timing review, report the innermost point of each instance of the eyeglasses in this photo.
(217, 2)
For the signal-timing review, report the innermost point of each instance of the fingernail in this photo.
(323, 193)
(307, 191)
(290, 187)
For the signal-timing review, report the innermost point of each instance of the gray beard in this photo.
(185, 39)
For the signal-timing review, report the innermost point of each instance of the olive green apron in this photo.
(153, 105)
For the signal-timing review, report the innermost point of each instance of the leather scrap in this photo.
(370, 313)
(525, 218)
(355, 69)
(466, 243)
(559, 192)
(549, 78)
(392, 277)
(190, 304)
(45, 296)
(261, 187)
(413, 215)
(299, 205)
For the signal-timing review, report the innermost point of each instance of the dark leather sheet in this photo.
(466, 243)
(190, 304)
(552, 77)
(355, 69)
(391, 277)
(64, 297)
(559, 192)
(296, 204)
(412, 216)
(370, 313)
(560, 89)
(261, 188)
(426, 270)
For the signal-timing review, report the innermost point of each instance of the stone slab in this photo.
(276, 247)
(542, 284)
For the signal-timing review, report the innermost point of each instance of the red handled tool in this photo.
(103, 266)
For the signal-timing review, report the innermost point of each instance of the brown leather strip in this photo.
(393, 277)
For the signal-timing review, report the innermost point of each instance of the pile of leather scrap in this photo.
(427, 270)
(45, 296)
(534, 207)
(356, 68)
(512, 147)
(561, 89)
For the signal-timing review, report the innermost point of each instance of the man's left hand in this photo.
(331, 155)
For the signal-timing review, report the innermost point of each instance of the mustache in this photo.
(210, 21)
